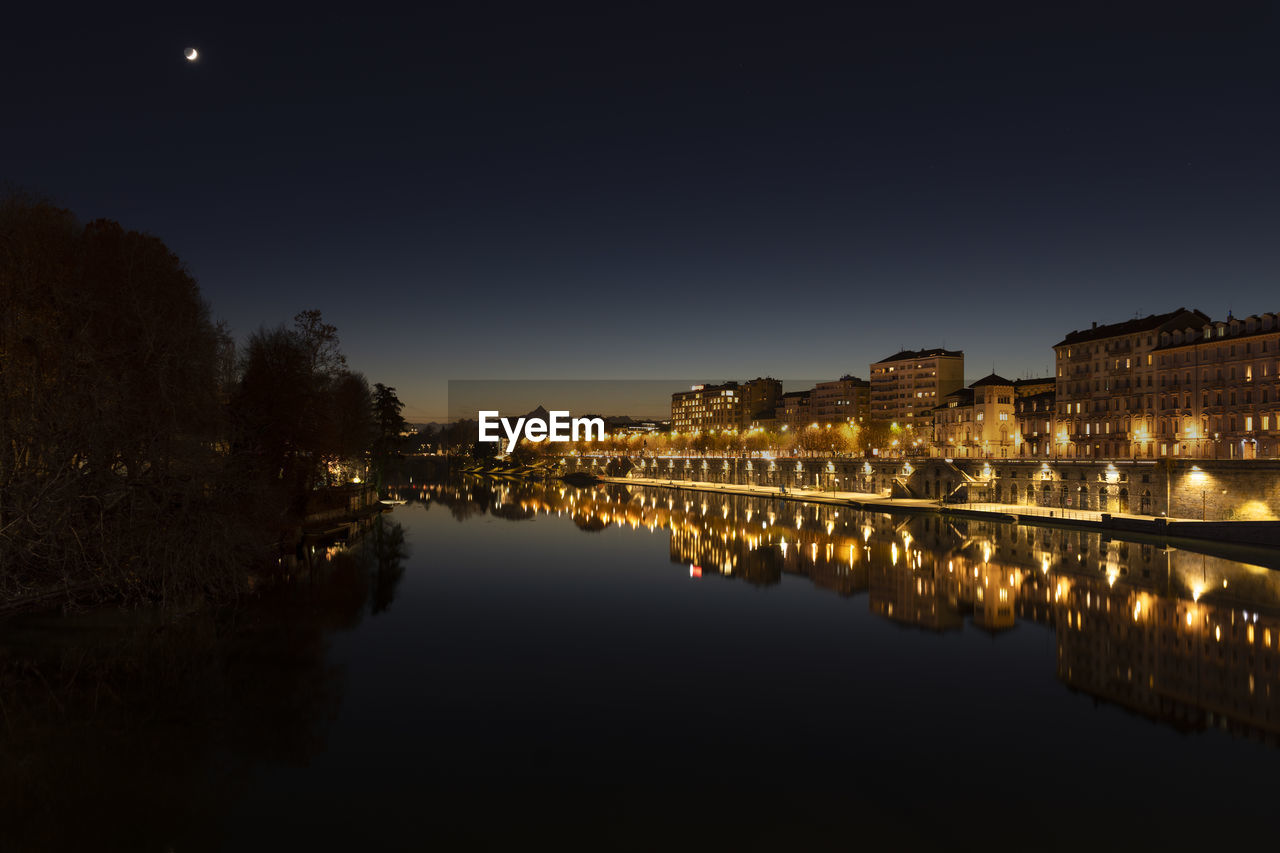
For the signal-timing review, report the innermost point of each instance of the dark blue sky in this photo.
(637, 193)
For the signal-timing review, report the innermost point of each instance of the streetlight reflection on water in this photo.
(943, 574)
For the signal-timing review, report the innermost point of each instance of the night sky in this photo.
(639, 193)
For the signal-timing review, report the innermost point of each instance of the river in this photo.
(499, 663)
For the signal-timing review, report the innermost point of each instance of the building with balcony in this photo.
(1035, 418)
(1107, 384)
(908, 386)
(846, 400)
(794, 410)
(1216, 392)
(977, 422)
(729, 406)
(1170, 385)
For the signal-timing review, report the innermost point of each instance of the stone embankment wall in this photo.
(1221, 490)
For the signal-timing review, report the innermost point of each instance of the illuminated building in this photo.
(1170, 385)
(794, 410)
(1217, 393)
(719, 407)
(907, 386)
(1033, 387)
(1105, 376)
(845, 400)
(976, 422)
(1035, 417)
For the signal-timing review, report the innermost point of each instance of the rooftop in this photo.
(1232, 327)
(1133, 327)
(991, 379)
(922, 353)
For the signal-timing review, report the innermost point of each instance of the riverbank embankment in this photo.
(1261, 539)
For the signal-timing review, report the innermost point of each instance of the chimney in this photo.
(1095, 324)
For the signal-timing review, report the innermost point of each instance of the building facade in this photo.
(907, 386)
(1170, 385)
(729, 406)
(977, 422)
(794, 410)
(846, 400)
(1105, 376)
(1036, 417)
(1217, 392)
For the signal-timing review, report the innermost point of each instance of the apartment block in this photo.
(907, 386)
(728, 406)
(846, 400)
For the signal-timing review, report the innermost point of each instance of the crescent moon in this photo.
(191, 53)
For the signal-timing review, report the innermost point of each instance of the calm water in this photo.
(504, 663)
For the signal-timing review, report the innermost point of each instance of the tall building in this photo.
(907, 386)
(795, 410)
(846, 400)
(723, 407)
(1107, 385)
(1216, 392)
(759, 397)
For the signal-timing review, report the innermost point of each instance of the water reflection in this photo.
(1186, 638)
(122, 730)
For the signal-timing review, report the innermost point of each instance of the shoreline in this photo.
(1189, 534)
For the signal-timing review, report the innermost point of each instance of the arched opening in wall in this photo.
(1145, 502)
(1082, 498)
(999, 493)
(1106, 500)
(1124, 501)
(1031, 495)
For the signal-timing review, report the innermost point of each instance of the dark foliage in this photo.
(139, 458)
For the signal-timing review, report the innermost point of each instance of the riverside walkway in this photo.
(873, 500)
(1247, 534)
